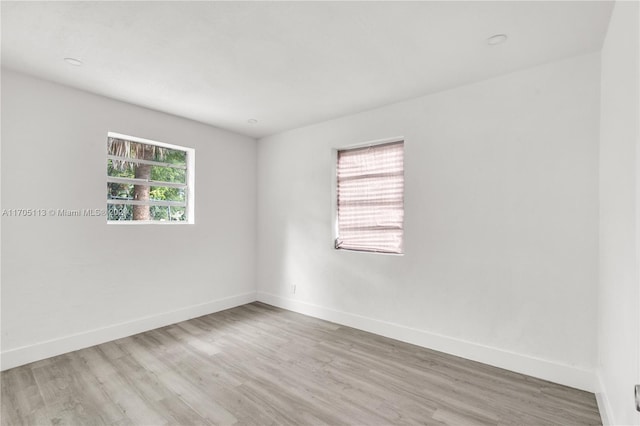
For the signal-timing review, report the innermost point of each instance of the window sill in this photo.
(148, 222)
(369, 252)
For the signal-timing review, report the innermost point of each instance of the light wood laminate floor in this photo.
(261, 365)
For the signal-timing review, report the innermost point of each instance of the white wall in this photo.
(69, 282)
(501, 235)
(619, 289)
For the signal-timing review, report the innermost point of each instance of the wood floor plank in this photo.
(116, 385)
(67, 398)
(111, 350)
(261, 365)
(142, 347)
(21, 398)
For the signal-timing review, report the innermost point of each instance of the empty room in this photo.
(320, 213)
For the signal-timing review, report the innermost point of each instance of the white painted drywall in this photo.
(69, 276)
(619, 287)
(501, 204)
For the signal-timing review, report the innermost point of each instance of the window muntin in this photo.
(148, 181)
(370, 198)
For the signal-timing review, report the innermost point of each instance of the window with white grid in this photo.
(148, 181)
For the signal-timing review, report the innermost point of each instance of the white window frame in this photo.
(334, 191)
(189, 185)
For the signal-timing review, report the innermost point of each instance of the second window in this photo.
(370, 198)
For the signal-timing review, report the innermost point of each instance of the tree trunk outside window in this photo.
(141, 192)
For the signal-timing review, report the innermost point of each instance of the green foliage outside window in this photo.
(127, 169)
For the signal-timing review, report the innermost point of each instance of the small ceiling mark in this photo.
(496, 39)
(73, 61)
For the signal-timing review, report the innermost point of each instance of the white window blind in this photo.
(371, 198)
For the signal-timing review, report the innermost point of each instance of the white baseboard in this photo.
(544, 369)
(536, 367)
(26, 354)
(604, 406)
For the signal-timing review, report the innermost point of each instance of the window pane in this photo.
(178, 213)
(174, 156)
(128, 149)
(121, 191)
(163, 193)
(127, 169)
(168, 213)
(168, 174)
(159, 213)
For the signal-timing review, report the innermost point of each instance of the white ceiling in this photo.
(287, 64)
